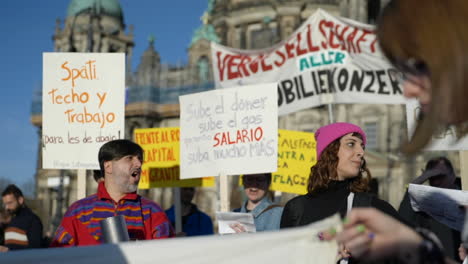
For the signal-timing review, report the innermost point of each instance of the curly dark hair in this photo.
(325, 170)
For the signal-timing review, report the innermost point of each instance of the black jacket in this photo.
(24, 231)
(312, 207)
(309, 208)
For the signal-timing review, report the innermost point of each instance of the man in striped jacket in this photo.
(25, 229)
(120, 162)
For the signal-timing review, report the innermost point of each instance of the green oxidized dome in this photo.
(107, 7)
(207, 32)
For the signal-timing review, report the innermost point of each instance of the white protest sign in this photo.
(229, 131)
(443, 140)
(83, 106)
(326, 60)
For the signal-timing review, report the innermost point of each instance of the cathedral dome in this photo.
(107, 7)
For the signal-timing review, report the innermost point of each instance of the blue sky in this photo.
(27, 27)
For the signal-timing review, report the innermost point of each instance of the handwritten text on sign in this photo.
(296, 155)
(230, 131)
(161, 159)
(326, 60)
(83, 107)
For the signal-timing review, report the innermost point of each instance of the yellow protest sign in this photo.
(296, 155)
(161, 159)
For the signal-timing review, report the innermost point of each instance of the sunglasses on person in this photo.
(254, 179)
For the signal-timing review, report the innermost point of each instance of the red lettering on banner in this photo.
(289, 48)
(336, 36)
(310, 44)
(333, 45)
(265, 67)
(283, 58)
(300, 51)
(361, 39)
(350, 40)
(242, 66)
(241, 136)
(323, 23)
(221, 64)
(253, 66)
(372, 46)
(341, 37)
(232, 65)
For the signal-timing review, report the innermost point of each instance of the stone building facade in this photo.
(153, 89)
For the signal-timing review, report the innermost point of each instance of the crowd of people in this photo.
(426, 42)
(338, 183)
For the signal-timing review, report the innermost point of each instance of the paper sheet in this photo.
(227, 218)
(444, 205)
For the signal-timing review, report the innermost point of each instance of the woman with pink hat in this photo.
(338, 181)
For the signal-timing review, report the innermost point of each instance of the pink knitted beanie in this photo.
(325, 135)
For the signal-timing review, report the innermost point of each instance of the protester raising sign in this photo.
(161, 160)
(229, 131)
(328, 59)
(296, 155)
(82, 107)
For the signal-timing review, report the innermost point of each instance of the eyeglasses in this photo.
(253, 179)
(410, 70)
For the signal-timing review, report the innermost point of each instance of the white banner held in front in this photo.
(83, 107)
(229, 131)
(328, 59)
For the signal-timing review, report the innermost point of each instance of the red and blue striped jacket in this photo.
(80, 225)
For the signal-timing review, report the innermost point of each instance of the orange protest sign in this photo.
(161, 159)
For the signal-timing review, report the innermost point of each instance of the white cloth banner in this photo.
(83, 107)
(295, 245)
(443, 140)
(327, 60)
(229, 131)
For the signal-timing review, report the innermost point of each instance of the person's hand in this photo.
(238, 227)
(343, 252)
(370, 234)
(4, 249)
(462, 252)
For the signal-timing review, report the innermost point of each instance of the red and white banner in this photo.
(327, 60)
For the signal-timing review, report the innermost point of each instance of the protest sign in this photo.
(229, 131)
(161, 160)
(82, 107)
(326, 60)
(296, 155)
(444, 139)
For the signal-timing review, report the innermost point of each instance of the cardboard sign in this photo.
(82, 107)
(445, 139)
(229, 131)
(296, 155)
(161, 160)
(327, 60)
